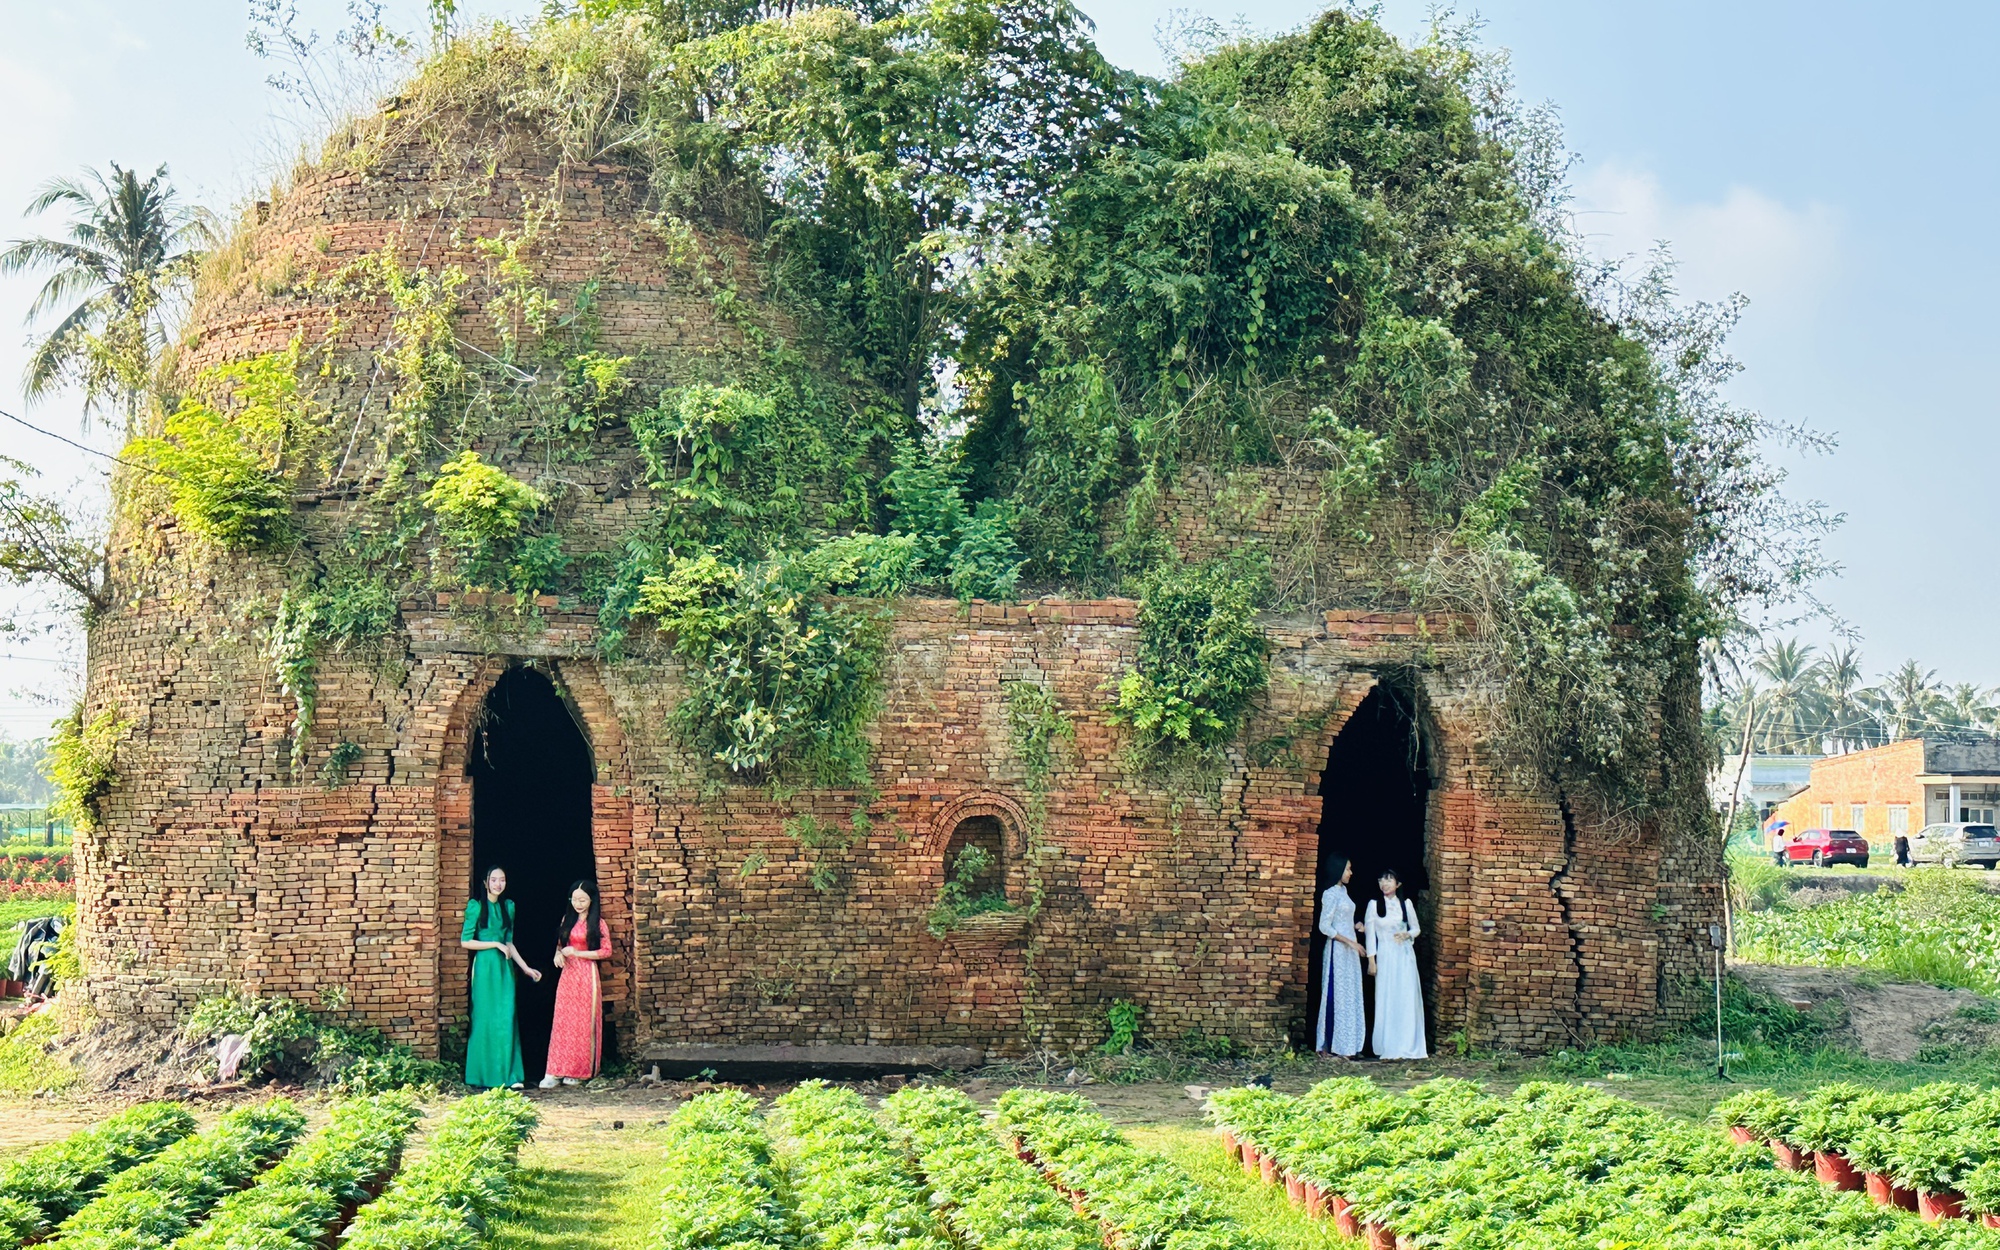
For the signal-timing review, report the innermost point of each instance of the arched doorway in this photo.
(531, 771)
(1374, 807)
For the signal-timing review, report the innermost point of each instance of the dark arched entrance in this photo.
(531, 772)
(1374, 796)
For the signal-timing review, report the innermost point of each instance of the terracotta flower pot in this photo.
(1317, 1207)
(1790, 1157)
(1295, 1189)
(1344, 1222)
(1269, 1168)
(1886, 1193)
(1740, 1135)
(1380, 1238)
(1230, 1145)
(1942, 1204)
(1833, 1169)
(1251, 1160)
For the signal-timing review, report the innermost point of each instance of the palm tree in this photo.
(1849, 725)
(1790, 710)
(1970, 709)
(130, 246)
(1909, 701)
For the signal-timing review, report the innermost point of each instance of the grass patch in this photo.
(1261, 1209)
(14, 910)
(597, 1191)
(1770, 1043)
(26, 1066)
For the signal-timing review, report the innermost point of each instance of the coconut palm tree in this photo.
(1909, 701)
(1789, 710)
(130, 247)
(1849, 724)
(1969, 709)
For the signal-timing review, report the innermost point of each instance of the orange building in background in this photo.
(1897, 789)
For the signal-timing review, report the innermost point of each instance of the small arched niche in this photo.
(977, 850)
(975, 857)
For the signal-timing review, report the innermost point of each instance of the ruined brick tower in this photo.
(486, 729)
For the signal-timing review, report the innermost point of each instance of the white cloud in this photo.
(1782, 257)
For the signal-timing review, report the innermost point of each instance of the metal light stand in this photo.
(1715, 940)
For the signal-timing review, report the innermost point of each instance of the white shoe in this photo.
(570, 1080)
(549, 1082)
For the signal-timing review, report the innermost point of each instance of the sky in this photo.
(1828, 160)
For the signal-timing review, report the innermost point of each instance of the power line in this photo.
(130, 464)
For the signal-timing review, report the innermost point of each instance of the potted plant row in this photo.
(1916, 1151)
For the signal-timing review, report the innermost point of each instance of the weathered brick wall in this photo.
(218, 865)
(212, 871)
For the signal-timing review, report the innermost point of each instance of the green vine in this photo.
(1036, 723)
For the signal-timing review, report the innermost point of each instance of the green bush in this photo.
(295, 1204)
(82, 763)
(49, 1184)
(150, 1205)
(445, 1199)
(480, 510)
(987, 1197)
(723, 1189)
(285, 1038)
(852, 1185)
(779, 677)
(1201, 659)
(224, 470)
(972, 552)
(956, 900)
(1142, 1198)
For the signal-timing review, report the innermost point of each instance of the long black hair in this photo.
(506, 910)
(1335, 866)
(593, 919)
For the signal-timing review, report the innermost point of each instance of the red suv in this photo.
(1823, 848)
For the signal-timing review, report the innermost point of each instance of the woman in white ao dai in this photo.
(1342, 1029)
(1392, 959)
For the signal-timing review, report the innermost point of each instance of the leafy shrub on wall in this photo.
(972, 551)
(480, 511)
(780, 674)
(82, 762)
(1201, 660)
(222, 454)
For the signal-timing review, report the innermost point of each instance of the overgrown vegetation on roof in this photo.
(982, 300)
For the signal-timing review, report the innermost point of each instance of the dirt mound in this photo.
(122, 1059)
(1884, 1020)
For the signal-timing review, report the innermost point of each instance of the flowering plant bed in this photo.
(988, 1198)
(723, 1186)
(849, 1175)
(1931, 1140)
(310, 1195)
(157, 1201)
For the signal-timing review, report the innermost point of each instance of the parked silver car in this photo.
(1956, 843)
